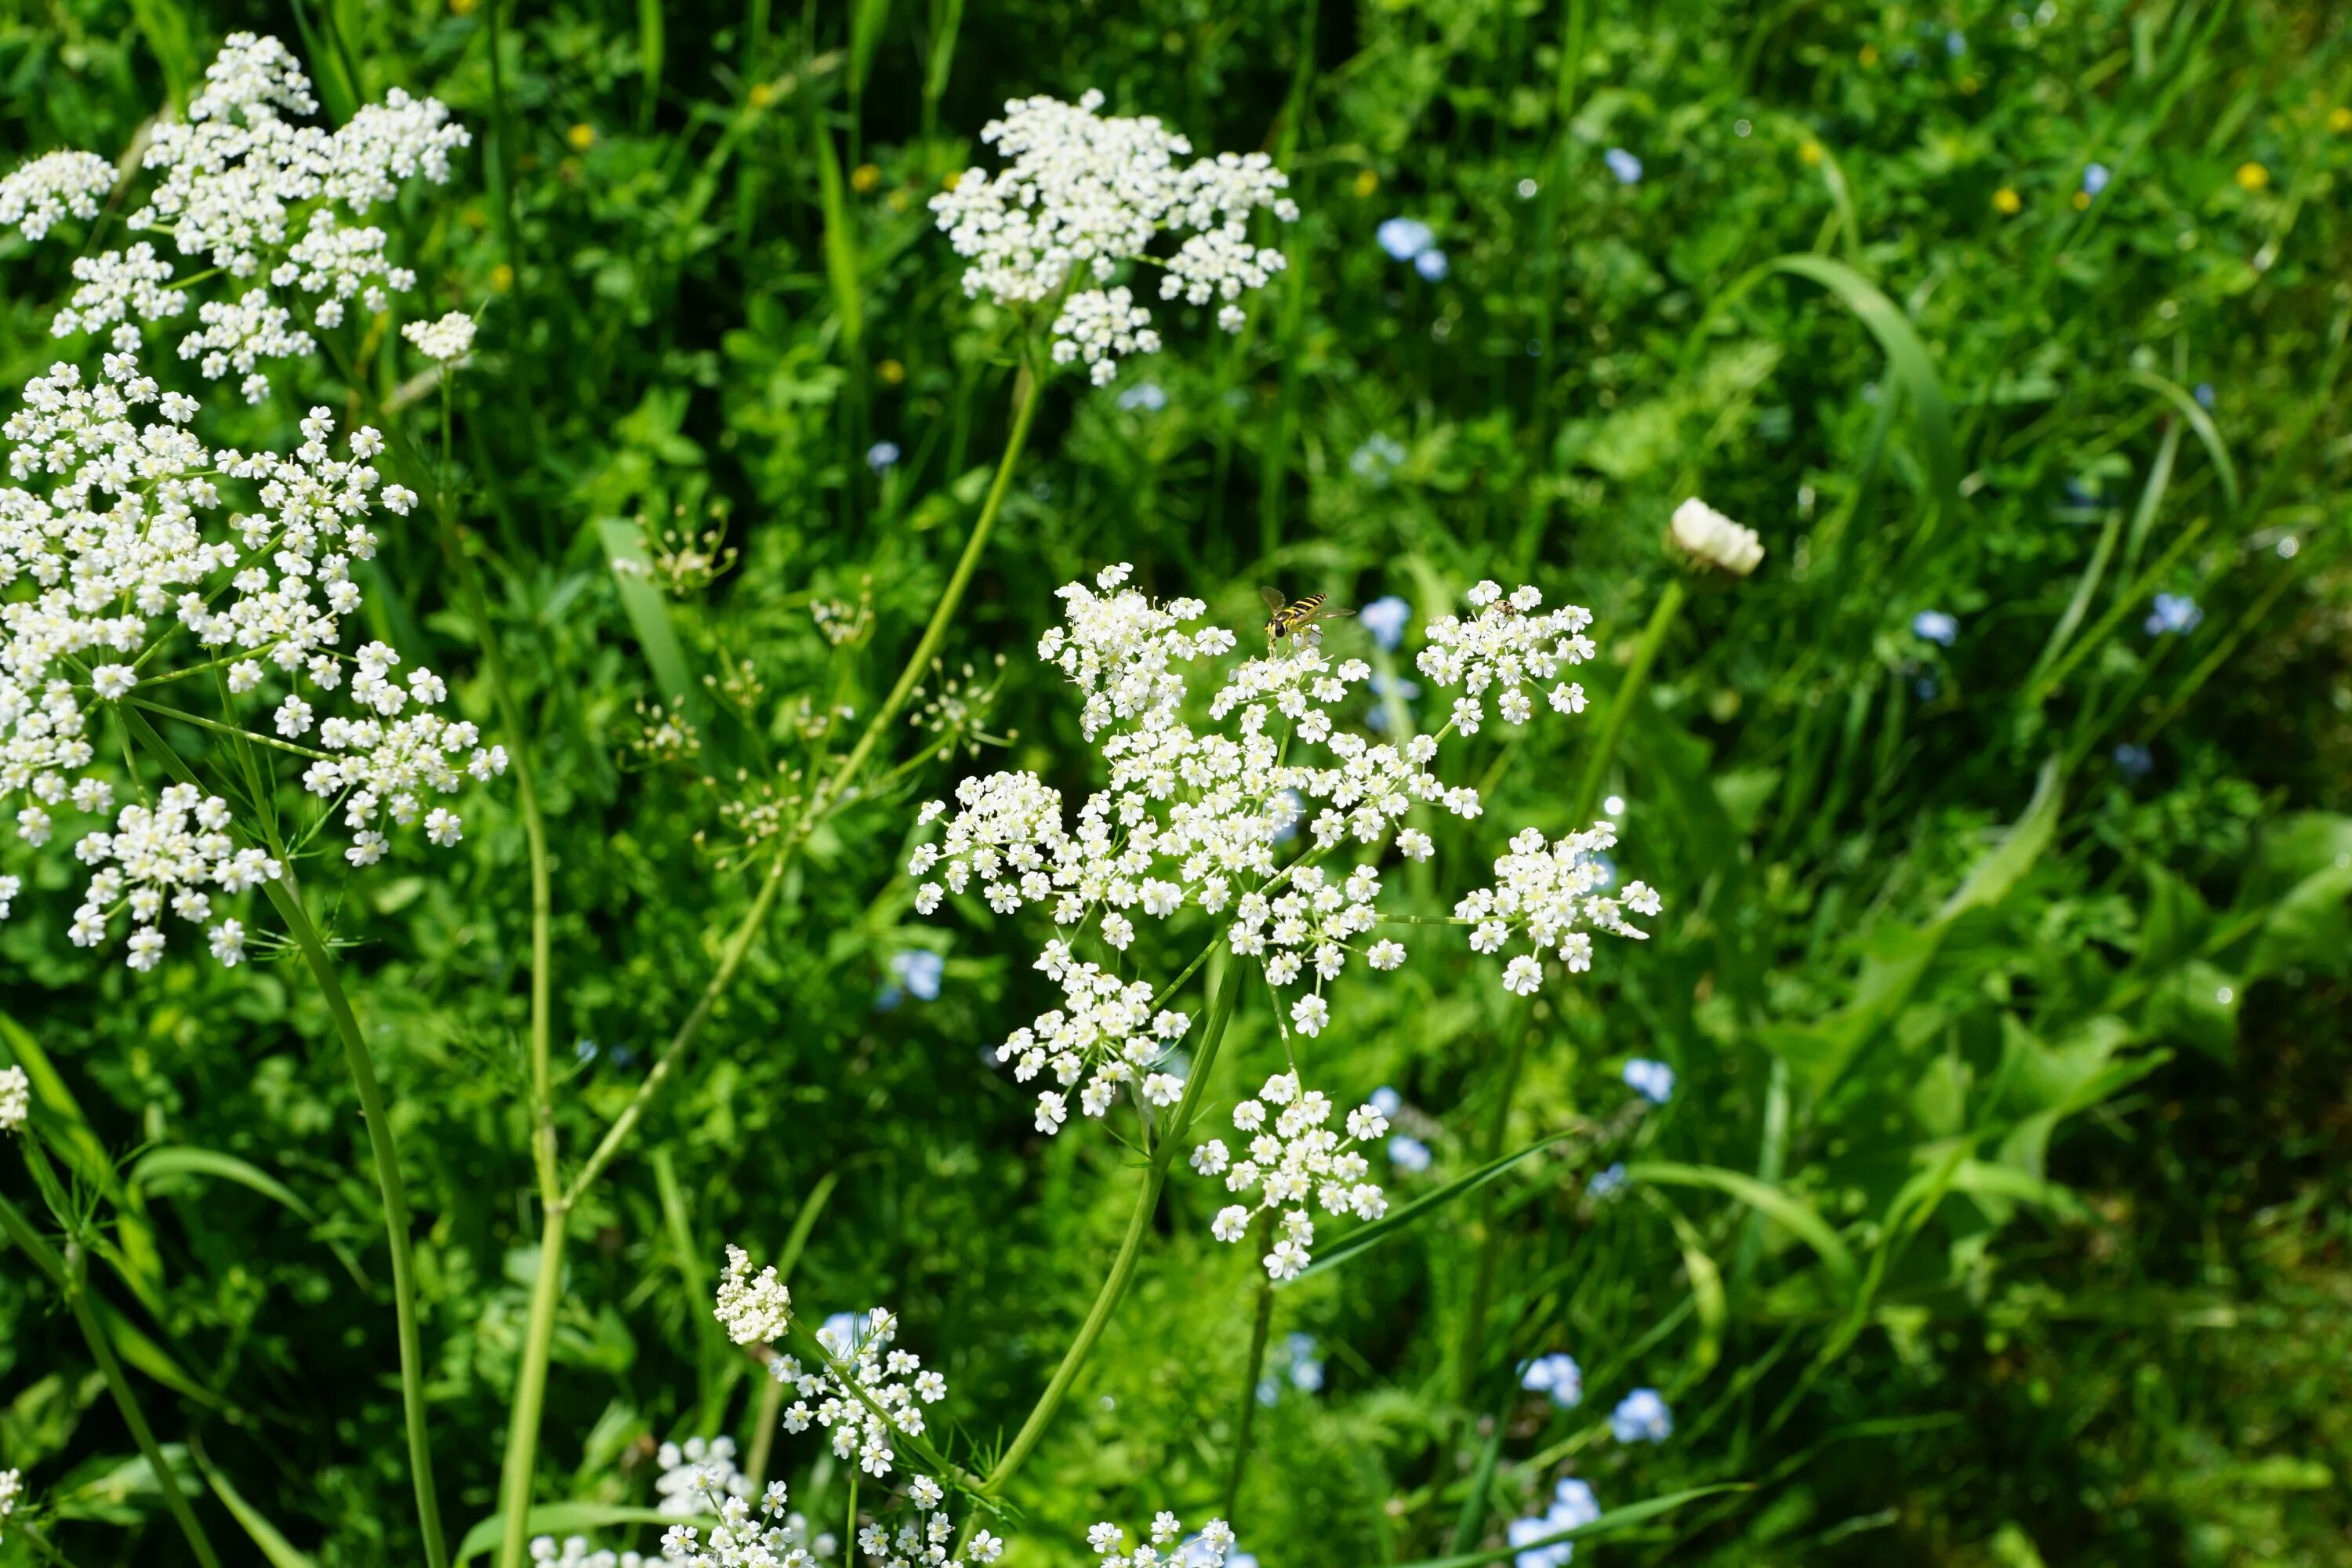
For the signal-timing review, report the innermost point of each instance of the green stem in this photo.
(288, 898)
(1025, 388)
(730, 958)
(1122, 1267)
(530, 1391)
(78, 1297)
(1629, 693)
(1259, 1328)
(200, 722)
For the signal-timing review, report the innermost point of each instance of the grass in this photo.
(1998, 1218)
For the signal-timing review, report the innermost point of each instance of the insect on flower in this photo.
(1288, 617)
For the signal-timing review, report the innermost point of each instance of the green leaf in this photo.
(281, 1552)
(165, 1164)
(624, 547)
(1616, 1521)
(840, 244)
(568, 1518)
(2193, 413)
(1907, 360)
(1420, 1208)
(1785, 1209)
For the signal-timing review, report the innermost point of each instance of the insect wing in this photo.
(1274, 599)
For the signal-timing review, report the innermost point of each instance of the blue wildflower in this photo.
(1404, 237)
(1556, 1375)
(1925, 689)
(2134, 761)
(1387, 1101)
(1607, 1183)
(1385, 618)
(1145, 395)
(1306, 1366)
(1409, 1153)
(1572, 1507)
(2204, 395)
(1624, 164)
(882, 456)
(2094, 179)
(1641, 1416)
(1431, 264)
(2173, 613)
(1935, 626)
(1956, 43)
(1377, 458)
(1653, 1081)
(918, 969)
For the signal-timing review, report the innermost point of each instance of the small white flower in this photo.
(450, 338)
(16, 1106)
(1714, 539)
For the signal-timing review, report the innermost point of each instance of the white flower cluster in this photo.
(170, 852)
(120, 573)
(447, 338)
(1508, 645)
(1711, 539)
(15, 1105)
(1551, 894)
(754, 1310)
(1108, 1022)
(924, 1535)
(235, 177)
(892, 1383)
(737, 1541)
(1080, 196)
(696, 1476)
(699, 1477)
(11, 1487)
(1205, 1550)
(1202, 818)
(1297, 1158)
(53, 184)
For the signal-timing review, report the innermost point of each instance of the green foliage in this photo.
(1998, 1216)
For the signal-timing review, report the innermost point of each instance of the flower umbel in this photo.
(1082, 196)
(131, 578)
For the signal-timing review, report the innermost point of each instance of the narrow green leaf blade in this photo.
(1791, 1213)
(1420, 1208)
(649, 615)
(1614, 1522)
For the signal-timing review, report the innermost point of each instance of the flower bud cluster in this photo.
(1290, 1159)
(1080, 196)
(1550, 893)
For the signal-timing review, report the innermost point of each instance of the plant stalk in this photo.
(531, 1390)
(1260, 1327)
(1025, 388)
(288, 898)
(1122, 1267)
(78, 1297)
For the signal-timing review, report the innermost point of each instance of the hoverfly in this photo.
(1287, 617)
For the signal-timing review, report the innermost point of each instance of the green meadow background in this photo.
(2000, 1216)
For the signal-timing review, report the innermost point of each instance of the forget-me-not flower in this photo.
(1556, 1375)
(1624, 164)
(1409, 1153)
(1385, 618)
(1607, 1183)
(2173, 613)
(1935, 626)
(2134, 761)
(1431, 264)
(1641, 1416)
(1145, 395)
(882, 456)
(1653, 1081)
(2094, 179)
(1404, 237)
